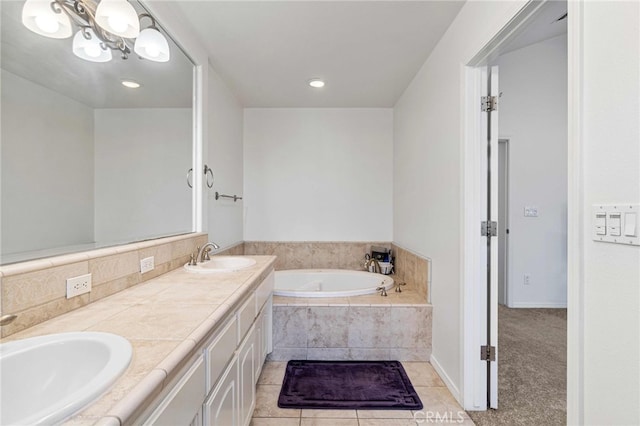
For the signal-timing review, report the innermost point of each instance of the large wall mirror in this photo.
(87, 162)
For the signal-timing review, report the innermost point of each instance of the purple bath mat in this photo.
(348, 385)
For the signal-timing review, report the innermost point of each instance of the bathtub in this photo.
(328, 283)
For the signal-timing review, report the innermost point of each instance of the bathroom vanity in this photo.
(199, 343)
(217, 385)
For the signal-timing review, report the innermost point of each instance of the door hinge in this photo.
(489, 103)
(487, 353)
(489, 229)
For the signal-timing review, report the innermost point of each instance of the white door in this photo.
(490, 187)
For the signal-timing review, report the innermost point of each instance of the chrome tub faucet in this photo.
(368, 261)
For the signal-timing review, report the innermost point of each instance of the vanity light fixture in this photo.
(106, 25)
(316, 83)
(130, 84)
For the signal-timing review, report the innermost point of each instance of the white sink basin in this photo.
(222, 264)
(46, 379)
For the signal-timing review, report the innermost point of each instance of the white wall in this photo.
(224, 155)
(318, 174)
(611, 168)
(47, 168)
(533, 116)
(141, 160)
(428, 171)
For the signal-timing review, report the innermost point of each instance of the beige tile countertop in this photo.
(166, 319)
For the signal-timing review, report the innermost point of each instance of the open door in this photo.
(489, 351)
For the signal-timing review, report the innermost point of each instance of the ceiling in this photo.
(51, 63)
(543, 26)
(367, 51)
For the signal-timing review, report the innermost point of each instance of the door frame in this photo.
(576, 221)
(474, 295)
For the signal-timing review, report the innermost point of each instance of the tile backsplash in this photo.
(35, 291)
(413, 269)
(314, 254)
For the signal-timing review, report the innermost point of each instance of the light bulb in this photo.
(118, 17)
(39, 17)
(153, 51)
(117, 23)
(152, 45)
(92, 50)
(47, 23)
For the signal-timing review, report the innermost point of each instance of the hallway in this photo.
(532, 345)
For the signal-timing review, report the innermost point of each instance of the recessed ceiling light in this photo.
(316, 82)
(130, 84)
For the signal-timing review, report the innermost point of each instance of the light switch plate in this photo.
(615, 234)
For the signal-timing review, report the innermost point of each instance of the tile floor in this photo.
(439, 405)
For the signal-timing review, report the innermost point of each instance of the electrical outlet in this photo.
(78, 285)
(147, 264)
(527, 279)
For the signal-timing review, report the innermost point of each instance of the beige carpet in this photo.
(533, 369)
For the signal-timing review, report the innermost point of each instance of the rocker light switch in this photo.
(614, 223)
(601, 223)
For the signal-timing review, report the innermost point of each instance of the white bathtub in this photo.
(328, 283)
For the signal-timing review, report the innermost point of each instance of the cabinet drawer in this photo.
(220, 351)
(264, 290)
(246, 315)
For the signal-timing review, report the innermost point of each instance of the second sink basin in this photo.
(222, 264)
(46, 379)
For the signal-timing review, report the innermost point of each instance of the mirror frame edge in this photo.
(169, 18)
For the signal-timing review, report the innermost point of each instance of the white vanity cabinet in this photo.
(218, 387)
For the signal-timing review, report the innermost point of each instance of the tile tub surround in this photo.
(167, 320)
(35, 291)
(370, 327)
(314, 254)
(412, 269)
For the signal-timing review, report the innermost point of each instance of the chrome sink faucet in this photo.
(203, 252)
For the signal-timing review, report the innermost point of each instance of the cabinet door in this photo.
(221, 409)
(258, 345)
(182, 405)
(246, 358)
(267, 329)
(220, 351)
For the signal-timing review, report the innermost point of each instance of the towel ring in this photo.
(189, 172)
(208, 172)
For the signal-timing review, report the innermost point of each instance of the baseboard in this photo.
(446, 379)
(538, 305)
